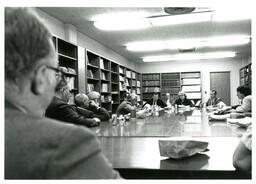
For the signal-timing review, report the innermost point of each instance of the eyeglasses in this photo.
(59, 73)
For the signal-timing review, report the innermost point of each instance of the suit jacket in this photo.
(42, 148)
(213, 102)
(185, 102)
(100, 113)
(60, 110)
(159, 102)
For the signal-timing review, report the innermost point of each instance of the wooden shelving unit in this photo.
(68, 63)
(150, 84)
(246, 75)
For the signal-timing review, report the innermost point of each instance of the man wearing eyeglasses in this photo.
(37, 147)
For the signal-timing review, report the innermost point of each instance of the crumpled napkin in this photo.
(181, 148)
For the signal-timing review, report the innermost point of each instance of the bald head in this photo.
(81, 100)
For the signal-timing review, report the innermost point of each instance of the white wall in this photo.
(61, 30)
(205, 66)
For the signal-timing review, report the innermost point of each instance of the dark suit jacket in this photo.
(95, 112)
(42, 148)
(60, 110)
(159, 102)
(185, 102)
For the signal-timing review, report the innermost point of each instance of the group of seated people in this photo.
(85, 111)
(39, 144)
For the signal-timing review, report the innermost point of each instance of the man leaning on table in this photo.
(37, 147)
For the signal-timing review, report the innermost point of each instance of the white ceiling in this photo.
(81, 18)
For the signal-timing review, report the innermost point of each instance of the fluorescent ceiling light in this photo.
(195, 56)
(181, 19)
(223, 41)
(120, 16)
(122, 25)
(220, 41)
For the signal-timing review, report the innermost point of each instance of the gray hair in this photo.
(26, 43)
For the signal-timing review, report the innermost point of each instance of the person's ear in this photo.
(38, 82)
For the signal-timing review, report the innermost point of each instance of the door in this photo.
(220, 81)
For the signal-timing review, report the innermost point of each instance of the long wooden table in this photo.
(134, 151)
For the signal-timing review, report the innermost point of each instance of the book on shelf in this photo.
(138, 83)
(133, 83)
(121, 70)
(128, 73)
(90, 74)
(134, 91)
(101, 63)
(133, 75)
(138, 90)
(127, 82)
(103, 76)
(104, 87)
(90, 88)
(121, 78)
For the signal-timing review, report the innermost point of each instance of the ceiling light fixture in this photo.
(196, 56)
(217, 41)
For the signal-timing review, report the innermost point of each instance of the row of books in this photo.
(104, 87)
(151, 89)
(170, 83)
(190, 75)
(104, 65)
(90, 87)
(171, 76)
(121, 70)
(151, 77)
(104, 76)
(138, 83)
(194, 95)
(151, 83)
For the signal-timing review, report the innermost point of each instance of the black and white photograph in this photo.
(104, 92)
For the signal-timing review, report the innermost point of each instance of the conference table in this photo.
(133, 147)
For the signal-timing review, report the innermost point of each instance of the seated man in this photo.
(242, 157)
(182, 99)
(60, 109)
(128, 105)
(244, 94)
(90, 107)
(213, 100)
(156, 101)
(94, 96)
(37, 147)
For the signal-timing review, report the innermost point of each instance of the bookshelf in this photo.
(105, 90)
(115, 86)
(189, 82)
(92, 72)
(138, 88)
(170, 84)
(246, 75)
(191, 85)
(150, 85)
(68, 63)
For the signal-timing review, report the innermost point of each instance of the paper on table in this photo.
(181, 148)
(244, 122)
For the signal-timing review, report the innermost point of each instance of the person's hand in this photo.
(93, 103)
(95, 122)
